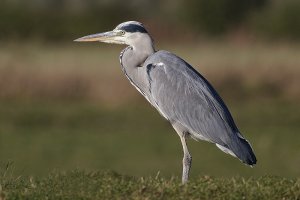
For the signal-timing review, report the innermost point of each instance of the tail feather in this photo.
(241, 149)
(245, 152)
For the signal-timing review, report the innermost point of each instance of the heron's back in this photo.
(184, 96)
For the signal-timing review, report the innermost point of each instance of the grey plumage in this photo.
(189, 101)
(180, 93)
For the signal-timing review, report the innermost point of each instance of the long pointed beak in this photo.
(108, 37)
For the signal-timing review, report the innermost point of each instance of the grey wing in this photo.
(183, 96)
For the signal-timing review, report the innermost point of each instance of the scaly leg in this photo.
(187, 160)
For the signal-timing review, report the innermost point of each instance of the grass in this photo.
(78, 184)
(135, 140)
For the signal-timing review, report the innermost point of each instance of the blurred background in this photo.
(65, 105)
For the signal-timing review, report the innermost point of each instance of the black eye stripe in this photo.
(133, 28)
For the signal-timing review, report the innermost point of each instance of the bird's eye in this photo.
(122, 32)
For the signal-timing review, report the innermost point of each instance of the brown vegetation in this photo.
(83, 72)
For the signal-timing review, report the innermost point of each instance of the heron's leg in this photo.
(187, 159)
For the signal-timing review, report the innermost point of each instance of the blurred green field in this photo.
(69, 106)
(135, 140)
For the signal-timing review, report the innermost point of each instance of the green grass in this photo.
(78, 184)
(135, 140)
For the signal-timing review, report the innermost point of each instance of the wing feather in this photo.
(184, 96)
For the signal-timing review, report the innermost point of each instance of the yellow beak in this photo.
(107, 37)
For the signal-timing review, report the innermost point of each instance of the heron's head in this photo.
(130, 33)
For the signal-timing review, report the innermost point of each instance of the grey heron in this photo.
(179, 93)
